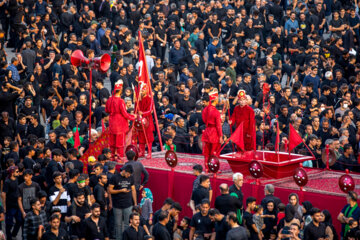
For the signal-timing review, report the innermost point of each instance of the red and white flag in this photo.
(143, 72)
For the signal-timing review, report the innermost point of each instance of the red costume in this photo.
(246, 115)
(118, 121)
(145, 105)
(213, 131)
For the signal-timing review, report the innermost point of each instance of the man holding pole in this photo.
(212, 135)
(118, 121)
(244, 113)
(144, 108)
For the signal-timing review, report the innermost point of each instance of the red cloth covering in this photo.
(118, 119)
(246, 115)
(95, 149)
(213, 130)
(145, 105)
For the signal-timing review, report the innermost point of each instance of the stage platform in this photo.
(322, 189)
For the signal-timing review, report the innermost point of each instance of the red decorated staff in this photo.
(118, 121)
(144, 108)
(212, 135)
(244, 113)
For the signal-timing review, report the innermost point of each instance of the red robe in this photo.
(213, 131)
(118, 121)
(246, 115)
(146, 105)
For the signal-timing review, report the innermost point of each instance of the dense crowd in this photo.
(305, 52)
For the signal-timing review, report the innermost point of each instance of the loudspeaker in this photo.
(77, 58)
(102, 63)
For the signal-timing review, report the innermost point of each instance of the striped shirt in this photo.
(64, 199)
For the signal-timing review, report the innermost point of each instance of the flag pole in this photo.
(151, 93)
(277, 141)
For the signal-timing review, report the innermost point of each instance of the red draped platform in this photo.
(322, 189)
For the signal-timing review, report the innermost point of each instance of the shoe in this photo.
(148, 156)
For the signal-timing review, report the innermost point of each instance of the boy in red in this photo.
(145, 108)
(118, 121)
(212, 135)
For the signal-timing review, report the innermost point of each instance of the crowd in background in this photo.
(305, 52)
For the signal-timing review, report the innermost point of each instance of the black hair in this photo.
(203, 178)
(177, 206)
(250, 200)
(198, 168)
(130, 155)
(128, 169)
(168, 201)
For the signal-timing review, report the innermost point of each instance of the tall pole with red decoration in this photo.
(144, 77)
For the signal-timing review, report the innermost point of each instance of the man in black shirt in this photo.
(72, 153)
(235, 189)
(248, 218)
(76, 214)
(123, 194)
(221, 226)
(27, 190)
(316, 229)
(201, 192)
(201, 221)
(236, 232)
(100, 193)
(95, 226)
(226, 203)
(55, 232)
(269, 196)
(11, 207)
(165, 207)
(35, 128)
(28, 161)
(160, 39)
(186, 103)
(134, 231)
(55, 165)
(159, 231)
(174, 212)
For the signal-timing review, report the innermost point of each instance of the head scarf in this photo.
(308, 206)
(298, 208)
(148, 195)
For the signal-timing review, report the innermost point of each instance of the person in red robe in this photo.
(118, 121)
(244, 113)
(144, 108)
(212, 135)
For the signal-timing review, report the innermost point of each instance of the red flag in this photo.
(294, 138)
(143, 70)
(77, 138)
(238, 136)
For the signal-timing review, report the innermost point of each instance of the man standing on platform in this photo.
(118, 121)
(212, 135)
(144, 109)
(245, 114)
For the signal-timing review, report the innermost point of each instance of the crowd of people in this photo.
(295, 60)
